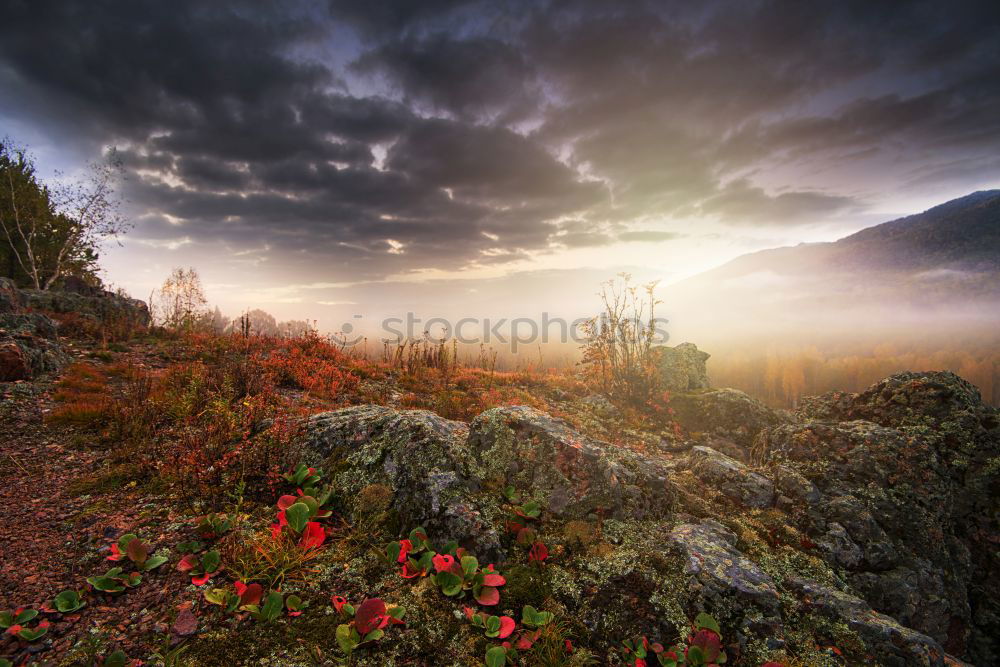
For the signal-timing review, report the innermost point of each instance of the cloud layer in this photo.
(366, 139)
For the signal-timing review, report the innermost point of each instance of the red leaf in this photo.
(538, 552)
(709, 643)
(507, 626)
(286, 501)
(116, 553)
(251, 594)
(405, 546)
(202, 580)
(313, 536)
(338, 602)
(443, 562)
(493, 580)
(370, 616)
(409, 572)
(488, 596)
(14, 629)
(187, 563)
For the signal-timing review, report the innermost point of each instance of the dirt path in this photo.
(56, 528)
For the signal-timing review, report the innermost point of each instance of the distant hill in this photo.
(944, 261)
(960, 235)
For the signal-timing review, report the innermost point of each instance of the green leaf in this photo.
(106, 584)
(154, 562)
(496, 657)
(493, 626)
(532, 509)
(30, 635)
(217, 596)
(695, 655)
(373, 636)
(397, 612)
(392, 551)
(68, 602)
(706, 621)
(6, 619)
(469, 565)
(345, 638)
(297, 516)
(116, 659)
(533, 618)
(451, 584)
(272, 606)
(210, 562)
(418, 537)
(25, 616)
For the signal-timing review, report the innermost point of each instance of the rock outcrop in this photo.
(871, 518)
(447, 476)
(724, 413)
(909, 473)
(682, 368)
(29, 344)
(28, 341)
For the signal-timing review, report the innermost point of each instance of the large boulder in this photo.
(419, 457)
(448, 476)
(96, 305)
(732, 478)
(910, 474)
(893, 644)
(572, 474)
(725, 413)
(29, 345)
(717, 570)
(682, 368)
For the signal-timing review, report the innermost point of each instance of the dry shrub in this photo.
(83, 397)
(261, 557)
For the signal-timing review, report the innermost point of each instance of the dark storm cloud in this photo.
(381, 137)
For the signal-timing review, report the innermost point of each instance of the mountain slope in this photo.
(960, 235)
(935, 267)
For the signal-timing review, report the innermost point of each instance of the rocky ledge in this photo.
(869, 521)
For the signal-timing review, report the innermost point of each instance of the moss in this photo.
(526, 584)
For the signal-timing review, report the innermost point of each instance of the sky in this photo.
(345, 160)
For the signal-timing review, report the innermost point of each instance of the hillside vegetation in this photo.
(202, 499)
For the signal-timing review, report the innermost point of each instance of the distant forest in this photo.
(781, 374)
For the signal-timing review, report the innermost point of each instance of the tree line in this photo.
(50, 233)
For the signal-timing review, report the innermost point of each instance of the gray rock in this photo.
(717, 570)
(891, 643)
(682, 368)
(839, 549)
(731, 477)
(906, 468)
(419, 455)
(573, 474)
(727, 413)
(447, 476)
